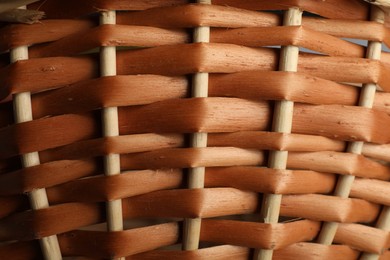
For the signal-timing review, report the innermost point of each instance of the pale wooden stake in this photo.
(382, 3)
(38, 198)
(111, 127)
(7, 5)
(200, 82)
(21, 16)
(367, 95)
(384, 224)
(282, 123)
(384, 219)
(10, 12)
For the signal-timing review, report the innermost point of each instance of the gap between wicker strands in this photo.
(367, 95)
(38, 198)
(111, 128)
(282, 122)
(200, 82)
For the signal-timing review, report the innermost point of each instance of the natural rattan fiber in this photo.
(210, 129)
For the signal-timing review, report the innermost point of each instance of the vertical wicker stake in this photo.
(367, 95)
(282, 123)
(7, 5)
(384, 224)
(38, 198)
(196, 175)
(111, 127)
(384, 219)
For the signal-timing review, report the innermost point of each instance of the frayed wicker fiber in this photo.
(170, 129)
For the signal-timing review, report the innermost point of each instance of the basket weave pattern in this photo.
(167, 129)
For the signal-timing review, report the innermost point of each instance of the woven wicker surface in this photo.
(171, 130)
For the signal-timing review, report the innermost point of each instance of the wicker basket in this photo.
(164, 129)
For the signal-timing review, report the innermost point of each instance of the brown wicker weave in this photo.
(165, 129)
